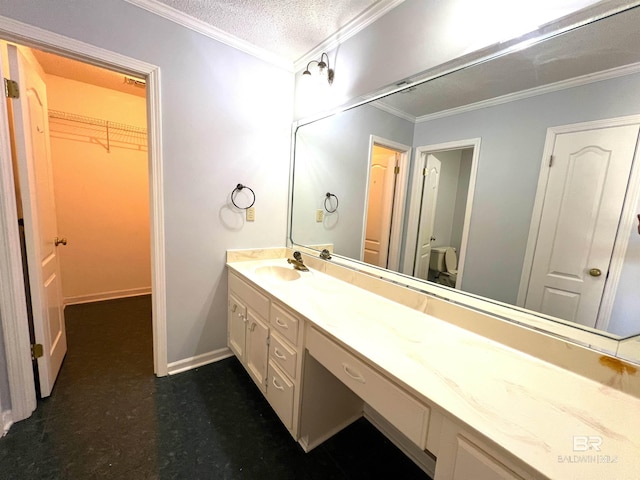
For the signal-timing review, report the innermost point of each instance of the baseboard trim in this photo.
(7, 421)
(198, 361)
(98, 297)
(419, 457)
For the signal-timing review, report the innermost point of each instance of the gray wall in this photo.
(226, 120)
(332, 155)
(625, 316)
(513, 137)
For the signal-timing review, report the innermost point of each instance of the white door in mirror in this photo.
(582, 207)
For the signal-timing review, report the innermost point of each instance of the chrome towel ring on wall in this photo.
(235, 191)
(327, 199)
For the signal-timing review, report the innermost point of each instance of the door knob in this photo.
(595, 272)
(57, 241)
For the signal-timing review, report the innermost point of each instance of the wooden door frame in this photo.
(12, 296)
(411, 238)
(395, 238)
(626, 222)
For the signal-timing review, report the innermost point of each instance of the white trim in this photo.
(7, 421)
(380, 105)
(113, 295)
(406, 446)
(359, 23)
(12, 291)
(532, 92)
(208, 30)
(400, 195)
(414, 204)
(621, 241)
(199, 360)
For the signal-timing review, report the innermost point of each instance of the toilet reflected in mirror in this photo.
(443, 266)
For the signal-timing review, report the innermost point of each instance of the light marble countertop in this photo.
(529, 407)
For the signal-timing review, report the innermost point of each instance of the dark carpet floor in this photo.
(109, 417)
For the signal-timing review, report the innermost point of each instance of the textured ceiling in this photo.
(287, 28)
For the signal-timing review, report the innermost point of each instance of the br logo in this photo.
(584, 443)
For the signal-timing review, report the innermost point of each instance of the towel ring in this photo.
(235, 192)
(327, 198)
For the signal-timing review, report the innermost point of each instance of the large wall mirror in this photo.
(515, 179)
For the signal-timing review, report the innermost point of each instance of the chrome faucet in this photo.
(297, 262)
(325, 254)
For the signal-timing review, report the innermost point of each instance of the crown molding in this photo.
(349, 30)
(393, 111)
(210, 31)
(532, 92)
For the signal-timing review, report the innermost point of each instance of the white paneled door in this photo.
(31, 133)
(382, 185)
(431, 175)
(583, 202)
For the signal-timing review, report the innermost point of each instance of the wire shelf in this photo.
(95, 130)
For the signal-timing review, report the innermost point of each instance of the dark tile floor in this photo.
(109, 417)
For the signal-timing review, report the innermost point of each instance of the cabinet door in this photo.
(236, 326)
(257, 349)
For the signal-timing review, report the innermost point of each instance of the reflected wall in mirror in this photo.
(510, 192)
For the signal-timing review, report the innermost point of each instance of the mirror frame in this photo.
(627, 348)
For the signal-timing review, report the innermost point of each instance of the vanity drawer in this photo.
(280, 394)
(249, 295)
(285, 323)
(398, 407)
(283, 355)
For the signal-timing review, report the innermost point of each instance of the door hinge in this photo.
(550, 160)
(396, 170)
(36, 351)
(11, 89)
(424, 171)
(268, 341)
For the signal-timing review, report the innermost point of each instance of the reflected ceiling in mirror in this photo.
(507, 114)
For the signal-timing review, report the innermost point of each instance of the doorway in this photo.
(80, 161)
(440, 208)
(385, 196)
(12, 300)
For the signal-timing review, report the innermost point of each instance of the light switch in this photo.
(319, 215)
(251, 214)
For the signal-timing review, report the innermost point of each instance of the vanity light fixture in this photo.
(323, 68)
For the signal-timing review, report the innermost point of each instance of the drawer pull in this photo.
(355, 375)
(234, 308)
(277, 385)
(280, 323)
(277, 353)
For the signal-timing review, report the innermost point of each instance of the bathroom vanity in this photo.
(332, 344)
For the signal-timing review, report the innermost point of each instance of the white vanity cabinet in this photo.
(285, 365)
(247, 328)
(463, 455)
(267, 339)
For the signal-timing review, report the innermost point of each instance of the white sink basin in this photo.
(284, 274)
